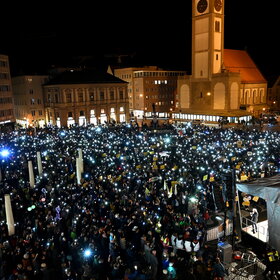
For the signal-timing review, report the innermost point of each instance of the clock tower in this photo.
(207, 38)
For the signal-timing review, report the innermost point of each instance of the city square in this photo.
(139, 141)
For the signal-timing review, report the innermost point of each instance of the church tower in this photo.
(223, 83)
(207, 38)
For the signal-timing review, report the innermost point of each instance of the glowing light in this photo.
(4, 153)
(193, 199)
(87, 253)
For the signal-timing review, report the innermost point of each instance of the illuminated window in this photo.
(112, 110)
(121, 109)
(102, 111)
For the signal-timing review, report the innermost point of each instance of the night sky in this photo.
(145, 32)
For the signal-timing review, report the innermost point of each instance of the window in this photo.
(32, 101)
(102, 111)
(31, 91)
(112, 95)
(101, 95)
(70, 115)
(121, 94)
(217, 26)
(82, 113)
(68, 98)
(80, 97)
(121, 109)
(112, 110)
(4, 76)
(4, 88)
(33, 113)
(217, 57)
(3, 63)
(91, 95)
(56, 98)
(40, 112)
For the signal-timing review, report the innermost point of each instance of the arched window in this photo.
(234, 96)
(219, 96)
(185, 96)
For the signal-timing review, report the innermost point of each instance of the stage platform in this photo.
(261, 234)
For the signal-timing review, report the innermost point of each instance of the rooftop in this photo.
(83, 77)
(239, 61)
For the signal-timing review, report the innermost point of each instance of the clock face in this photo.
(202, 6)
(218, 5)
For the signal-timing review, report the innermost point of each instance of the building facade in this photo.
(85, 97)
(150, 89)
(6, 92)
(224, 83)
(273, 96)
(28, 100)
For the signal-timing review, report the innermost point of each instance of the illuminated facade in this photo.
(223, 82)
(83, 97)
(28, 99)
(150, 88)
(273, 96)
(6, 93)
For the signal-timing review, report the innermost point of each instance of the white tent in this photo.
(269, 190)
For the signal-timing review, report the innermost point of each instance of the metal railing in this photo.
(247, 226)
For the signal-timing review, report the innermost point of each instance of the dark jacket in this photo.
(219, 270)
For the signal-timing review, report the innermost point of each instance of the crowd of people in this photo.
(141, 208)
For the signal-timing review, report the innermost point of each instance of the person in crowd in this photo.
(219, 271)
(141, 195)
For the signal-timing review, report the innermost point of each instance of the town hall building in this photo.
(224, 82)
